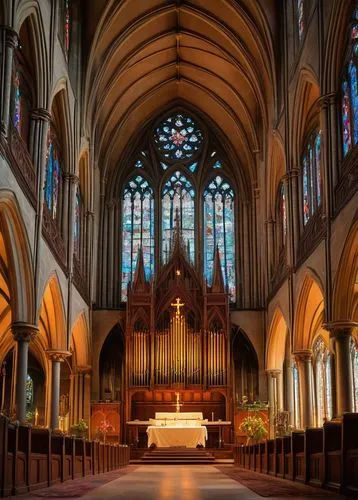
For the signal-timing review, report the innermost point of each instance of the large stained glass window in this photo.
(178, 200)
(219, 231)
(137, 229)
(17, 114)
(354, 359)
(350, 91)
(178, 138)
(281, 216)
(53, 174)
(311, 176)
(300, 18)
(322, 375)
(29, 391)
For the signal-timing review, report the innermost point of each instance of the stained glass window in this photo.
(219, 231)
(282, 216)
(178, 197)
(137, 229)
(296, 396)
(217, 164)
(17, 115)
(349, 88)
(354, 358)
(77, 226)
(67, 26)
(178, 137)
(322, 374)
(300, 18)
(311, 176)
(29, 390)
(53, 173)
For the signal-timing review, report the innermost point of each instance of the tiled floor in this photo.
(176, 482)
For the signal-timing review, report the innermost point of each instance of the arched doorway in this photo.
(246, 368)
(111, 366)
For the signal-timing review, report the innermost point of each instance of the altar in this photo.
(177, 429)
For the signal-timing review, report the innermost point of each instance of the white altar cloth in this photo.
(166, 437)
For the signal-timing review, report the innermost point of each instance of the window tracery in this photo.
(349, 86)
(311, 176)
(219, 231)
(322, 374)
(137, 229)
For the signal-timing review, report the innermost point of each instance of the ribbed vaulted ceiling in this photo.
(215, 55)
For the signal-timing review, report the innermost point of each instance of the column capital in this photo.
(58, 354)
(327, 99)
(274, 373)
(340, 328)
(73, 178)
(12, 38)
(85, 370)
(40, 114)
(303, 355)
(24, 332)
(293, 173)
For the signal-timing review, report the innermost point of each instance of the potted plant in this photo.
(80, 429)
(254, 428)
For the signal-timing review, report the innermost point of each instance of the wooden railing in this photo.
(32, 458)
(326, 457)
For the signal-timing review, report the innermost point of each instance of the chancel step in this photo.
(177, 456)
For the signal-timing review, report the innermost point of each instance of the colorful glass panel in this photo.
(17, 101)
(219, 231)
(306, 205)
(52, 184)
(354, 100)
(283, 212)
(137, 230)
(300, 18)
(178, 196)
(312, 176)
(67, 26)
(346, 122)
(29, 390)
(217, 164)
(178, 137)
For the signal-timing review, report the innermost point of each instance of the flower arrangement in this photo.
(80, 429)
(103, 429)
(254, 428)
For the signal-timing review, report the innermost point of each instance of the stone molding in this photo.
(303, 355)
(58, 354)
(339, 329)
(24, 332)
(40, 114)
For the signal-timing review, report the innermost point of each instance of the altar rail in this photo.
(33, 458)
(326, 457)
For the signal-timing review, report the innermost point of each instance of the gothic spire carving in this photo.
(218, 279)
(139, 281)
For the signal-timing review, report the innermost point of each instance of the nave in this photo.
(178, 482)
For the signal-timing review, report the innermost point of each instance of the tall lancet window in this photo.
(281, 216)
(350, 90)
(311, 176)
(137, 229)
(178, 198)
(219, 231)
(322, 373)
(53, 174)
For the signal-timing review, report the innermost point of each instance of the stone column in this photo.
(273, 397)
(56, 357)
(295, 210)
(8, 43)
(341, 333)
(305, 373)
(23, 334)
(289, 391)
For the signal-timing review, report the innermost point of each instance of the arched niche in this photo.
(246, 367)
(111, 365)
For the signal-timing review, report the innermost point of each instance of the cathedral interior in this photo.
(179, 225)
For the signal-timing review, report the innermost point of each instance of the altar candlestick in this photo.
(212, 416)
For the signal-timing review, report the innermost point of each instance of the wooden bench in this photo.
(298, 456)
(349, 465)
(57, 458)
(332, 443)
(39, 460)
(314, 456)
(271, 457)
(69, 459)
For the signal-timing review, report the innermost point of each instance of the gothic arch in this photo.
(309, 314)
(345, 290)
(81, 341)
(52, 321)
(276, 343)
(61, 118)
(276, 171)
(18, 253)
(29, 9)
(304, 109)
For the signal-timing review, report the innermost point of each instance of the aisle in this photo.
(168, 482)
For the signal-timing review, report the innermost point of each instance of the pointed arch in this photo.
(276, 343)
(309, 314)
(276, 170)
(81, 341)
(345, 289)
(18, 254)
(52, 320)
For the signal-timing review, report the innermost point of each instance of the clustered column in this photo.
(56, 357)
(8, 42)
(274, 396)
(304, 365)
(23, 334)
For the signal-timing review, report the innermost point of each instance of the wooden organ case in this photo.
(177, 340)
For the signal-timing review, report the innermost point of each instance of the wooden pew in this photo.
(57, 458)
(79, 467)
(88, 458)
(262, 466)
(69, 460)
(279, 457)
(298, 456)
(271, 457)
(314, 456)
(349, 465)
(257, 457)
(8, 451)
(287, 457)
(39, 461)
(332, 443)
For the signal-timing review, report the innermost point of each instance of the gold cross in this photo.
(178, 305)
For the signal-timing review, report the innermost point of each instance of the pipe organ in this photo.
(177, 331)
